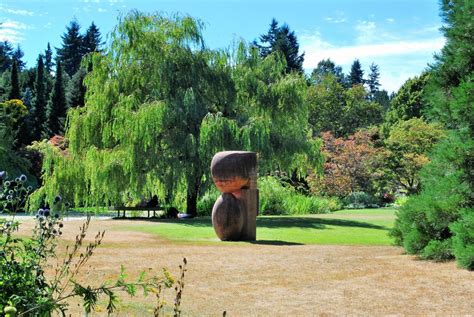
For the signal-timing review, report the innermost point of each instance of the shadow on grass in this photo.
(274, 222)
(274, 242)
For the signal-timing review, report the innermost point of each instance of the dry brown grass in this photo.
(270, 280)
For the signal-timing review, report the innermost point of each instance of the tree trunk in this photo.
(191, 202)
(192, 195)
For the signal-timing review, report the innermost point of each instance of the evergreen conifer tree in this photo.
(38, 111)
(77, 89)
(6, 55)
(373, 81)
(57, 107)
(17, 56)
(15, 83)
(25, 126)
(281, 39)
(71, 51)
(48, 59)
(356, 76)
(92, 40)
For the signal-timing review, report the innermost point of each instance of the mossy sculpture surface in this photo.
(234, 214)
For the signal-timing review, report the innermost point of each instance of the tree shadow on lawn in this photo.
(274, 222)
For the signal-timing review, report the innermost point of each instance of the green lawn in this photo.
(345, 227)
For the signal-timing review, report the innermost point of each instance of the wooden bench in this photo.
(124, 209)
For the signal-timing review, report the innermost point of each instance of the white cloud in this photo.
(398, 60)
(10, 35)
(16, 11)
(335, 20)
(9, 24)
(338, 17)
(101, 10)
(391, 20)
(12, 31)
(366, 31)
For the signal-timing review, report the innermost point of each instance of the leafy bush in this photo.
(401, 200)
(277, 199)
(358, 200)
(463, 240)
(206, 202)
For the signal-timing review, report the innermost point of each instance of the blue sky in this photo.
(400, 36)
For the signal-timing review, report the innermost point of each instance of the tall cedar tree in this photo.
(57, 106)
(92, 40)
(38, 111)
(282, 40)
(71, 51)
(356, 76)
(17, 56)
(48, 59)
(6, 56)
(77, 89)
(25, 125)
(373, 80)
(15, 83)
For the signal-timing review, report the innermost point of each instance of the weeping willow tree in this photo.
(159, 104)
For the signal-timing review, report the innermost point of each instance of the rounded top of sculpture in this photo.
(230, 164)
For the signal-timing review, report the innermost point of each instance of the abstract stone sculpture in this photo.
(234, 214)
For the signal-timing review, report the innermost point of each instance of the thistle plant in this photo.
(27, 290)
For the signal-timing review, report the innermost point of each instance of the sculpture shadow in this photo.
(273, 222)
(274, 242)
(312, 223)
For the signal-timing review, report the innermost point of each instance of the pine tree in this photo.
(71, 51)
(48, 59)
(92, 40)
(282, 40)
(17, 56)
(373, 81)
(6, 56)
(437, 224)
(24, 136)
(77, 89)
(14, 82)
(356, 76)
(38, 111)
(57, 107)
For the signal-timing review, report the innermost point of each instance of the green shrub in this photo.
(424, 224)
(401, 200)
(438, 251)
(463, 240)
(206, 202)
(358, 200)
(277, 199)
